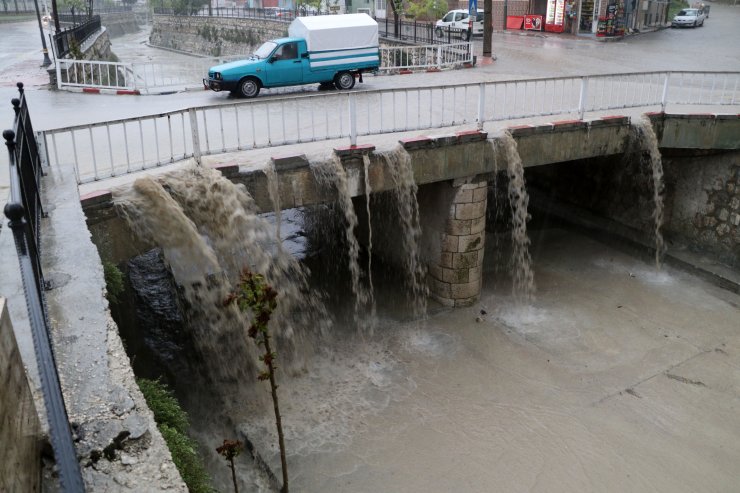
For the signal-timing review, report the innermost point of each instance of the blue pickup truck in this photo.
(331, 49)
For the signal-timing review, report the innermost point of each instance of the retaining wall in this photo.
(20, 432)
(214, 36)
(120, 23)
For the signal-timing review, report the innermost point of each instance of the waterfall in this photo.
(209, 230)
(332, 174)
(521, 261)
(398, 163)
(368, 190)
(648, 142)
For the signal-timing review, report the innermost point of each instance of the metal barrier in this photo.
(420, 32)
(90, 73)
(146, 77)
(23, 212)
(65, 40)
(425, 57)
(275, 14)
(102, 150)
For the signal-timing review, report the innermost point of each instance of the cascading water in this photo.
(398, 162)
(521, 261)
(273, 189)
(648, 142)
(332, 174)
(368, 190)
(209, 230)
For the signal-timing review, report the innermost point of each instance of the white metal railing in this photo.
(145, 77)
(103, 150)
(130, 76)
(425, 57)
(89, 73)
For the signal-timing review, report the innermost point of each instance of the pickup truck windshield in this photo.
(265, 50)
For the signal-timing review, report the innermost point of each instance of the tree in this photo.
(255, 295)
(427, 9)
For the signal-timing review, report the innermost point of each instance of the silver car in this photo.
(689, 17)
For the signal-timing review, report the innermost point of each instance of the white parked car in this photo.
(689, 17)
(459, 19)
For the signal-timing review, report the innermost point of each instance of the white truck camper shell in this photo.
(333, 32)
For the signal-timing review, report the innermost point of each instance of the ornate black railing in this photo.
(24, 211)
(66, 39)
(419, 32)
(416, 32)
(275, 14)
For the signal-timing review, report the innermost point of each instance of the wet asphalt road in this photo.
(712, 47)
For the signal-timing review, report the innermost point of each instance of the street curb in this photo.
(97, 90)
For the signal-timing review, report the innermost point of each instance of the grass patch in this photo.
(173, 424)
(113, 281)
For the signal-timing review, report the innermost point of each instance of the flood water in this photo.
(618, 378)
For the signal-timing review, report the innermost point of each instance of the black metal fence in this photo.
(275, 14)
(17, 7)
(420, 32)
(24, 211)
(409, 31)
(65, 40)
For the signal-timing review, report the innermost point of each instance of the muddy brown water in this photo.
(617, 378)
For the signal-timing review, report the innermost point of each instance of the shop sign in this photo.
(533, 22)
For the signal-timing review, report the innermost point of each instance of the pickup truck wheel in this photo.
(439, 32)
(249, 87)
(465, 35)
(344, 81)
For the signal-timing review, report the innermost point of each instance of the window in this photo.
(288, 51)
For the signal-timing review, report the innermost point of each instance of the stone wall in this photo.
(120, 24)
(701, 197)
(704, 200)
(455, 271)
(219, 36)
(20, 458)
(97, 47)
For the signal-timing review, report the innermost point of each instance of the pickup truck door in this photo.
(285, 66)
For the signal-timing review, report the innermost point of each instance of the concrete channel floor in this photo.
(616, 378)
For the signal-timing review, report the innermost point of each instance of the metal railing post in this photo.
(439, 56)
(664, 97)
(481, 105)
(583, 98)
(23, 223)
(352, 120)
(195, 135)
(59, 73)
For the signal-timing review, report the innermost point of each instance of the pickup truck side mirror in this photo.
(273, 58)
(304, 55)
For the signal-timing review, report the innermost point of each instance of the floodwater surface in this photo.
(616, 377)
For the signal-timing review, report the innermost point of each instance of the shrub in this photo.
(173, 423)
(113, 281)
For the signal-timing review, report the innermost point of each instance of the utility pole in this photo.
(487, 27)
(46, 61)
(55, 10)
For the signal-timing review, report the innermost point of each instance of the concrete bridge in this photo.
(452, 173)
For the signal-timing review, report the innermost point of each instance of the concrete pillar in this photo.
(455, 275)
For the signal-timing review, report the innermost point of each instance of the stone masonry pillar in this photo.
(455, 277)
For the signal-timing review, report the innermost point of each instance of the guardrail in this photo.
(275, 14)
(420, 32)
(65, 40)
(425, 57)
(146, 77)
(102, 150)
(24, 211)
(141, 77)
